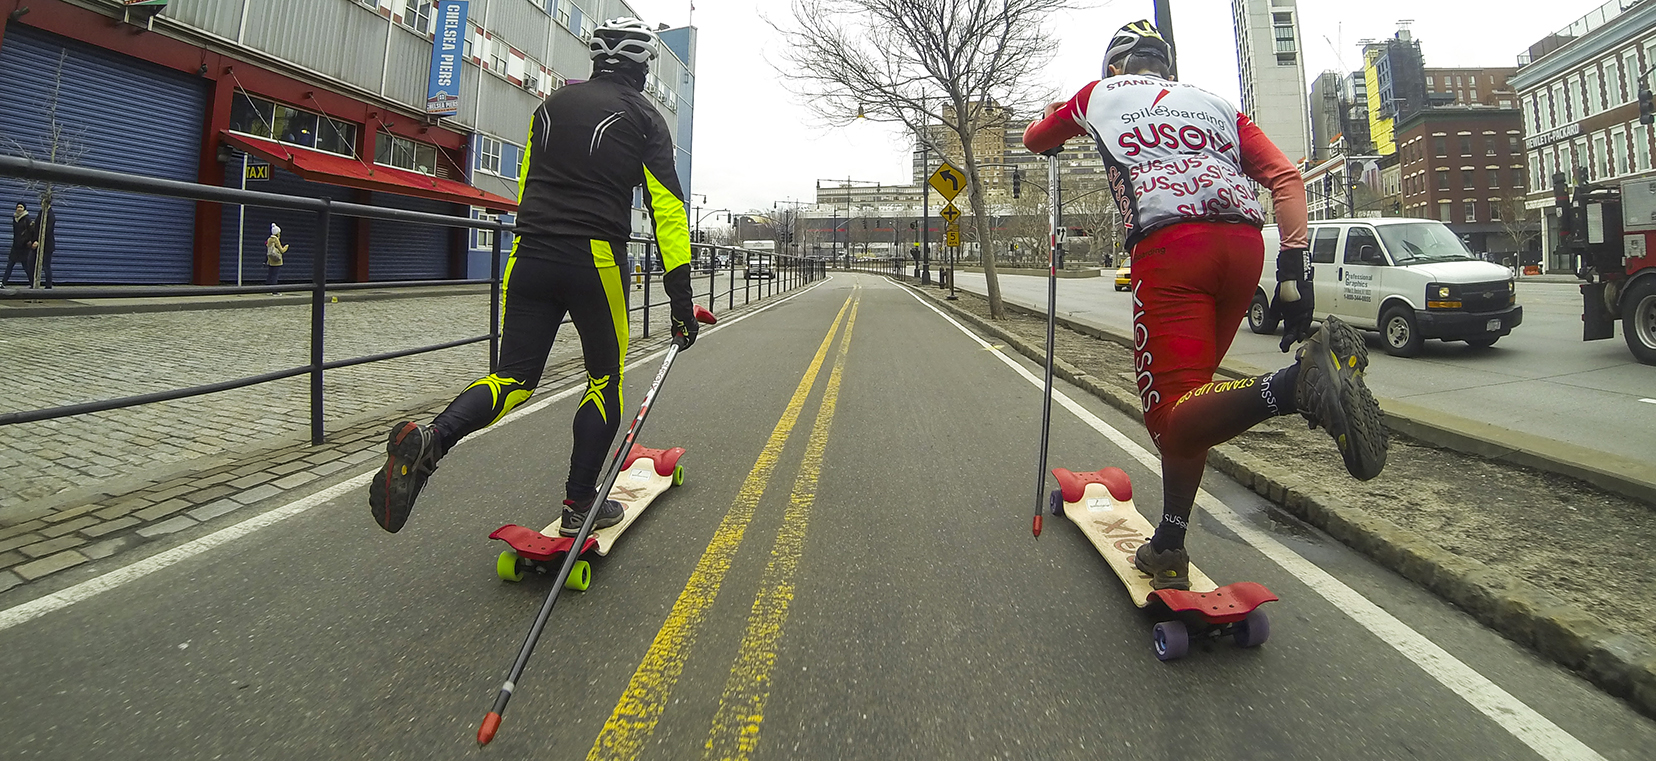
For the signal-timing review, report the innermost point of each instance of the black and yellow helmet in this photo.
(1138, 38)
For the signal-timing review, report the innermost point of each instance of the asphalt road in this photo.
(1542, 379)
(859, 583)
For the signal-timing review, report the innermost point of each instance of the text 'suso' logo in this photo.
(1187, 138)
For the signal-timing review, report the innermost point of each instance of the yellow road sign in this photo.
(948, 180)
(950, 213)
(952, 227)
(952, 237)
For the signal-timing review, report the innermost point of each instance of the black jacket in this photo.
(590, 144)
(23, 231)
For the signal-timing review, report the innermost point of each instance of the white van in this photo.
(1410, 279)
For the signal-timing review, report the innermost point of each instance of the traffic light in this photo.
(1561, 197)
(1647, 108)
(914, 225)
(1017, 183)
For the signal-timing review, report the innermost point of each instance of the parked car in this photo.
(1410, 279)
(759, 265)
(1124, 277)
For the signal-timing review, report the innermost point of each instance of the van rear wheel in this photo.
(1260, 319)
(1399, 332)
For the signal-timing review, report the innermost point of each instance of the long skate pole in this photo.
(1055, 248)
(491, 720)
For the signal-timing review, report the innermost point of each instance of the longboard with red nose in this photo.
(1101, 504)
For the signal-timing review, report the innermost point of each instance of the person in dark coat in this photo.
(22, 251)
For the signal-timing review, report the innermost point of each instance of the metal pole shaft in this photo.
(1054, 250)
(648, 265)
(319, 286)
(241, 225)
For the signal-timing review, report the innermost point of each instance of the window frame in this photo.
(423, 10)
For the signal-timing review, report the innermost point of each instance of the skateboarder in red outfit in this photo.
(1181, 163)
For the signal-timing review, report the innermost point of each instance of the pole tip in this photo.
(1037, 527)
(485, 733)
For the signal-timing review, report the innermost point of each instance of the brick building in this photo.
(1464, 166)
(1579, 90)
(1471, 86)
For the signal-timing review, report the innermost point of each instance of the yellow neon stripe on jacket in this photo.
(672, 226)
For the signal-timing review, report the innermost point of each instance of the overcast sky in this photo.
(755, 144)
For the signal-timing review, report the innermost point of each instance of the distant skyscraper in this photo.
(1268, 56)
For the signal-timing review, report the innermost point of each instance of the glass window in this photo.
(295, 126)
(1323, 244)
(1494, 210)
(1641, 147)
(425, 158)
(1443, 180)
(1512, 148)
(1535, 171)
(1465, 145)
(1438, 146)
(1489, 150)
(1592, 99)
(1494, 181)
(1362, 247)
(251, 115)
(1471, 209)
(1466, 178)
(1444, 212)
(1617, 158)
(1613, 83)
(417, 15)
(577, 20)
(336, 136)
(488, 154)
(382, 148)
(1429, 84)
(1630, 72)
(1423, 241)
(497, 55)
(1601, 158)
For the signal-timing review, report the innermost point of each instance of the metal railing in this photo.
(787, 272)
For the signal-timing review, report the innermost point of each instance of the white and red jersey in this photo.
(1174, 152)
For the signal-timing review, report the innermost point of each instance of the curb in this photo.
(1601, 469)
(1620, 664)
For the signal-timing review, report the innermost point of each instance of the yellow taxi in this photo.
(1124, 277)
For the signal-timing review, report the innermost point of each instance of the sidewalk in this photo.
(81, 489)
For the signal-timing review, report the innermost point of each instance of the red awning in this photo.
(333, 169)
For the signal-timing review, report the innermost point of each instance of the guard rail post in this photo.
(319, 286)
(732, 280)
(494, 301)
(647, 267)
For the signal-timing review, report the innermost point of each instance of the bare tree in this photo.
(60, 144)
(957, 63)
(1521, 225)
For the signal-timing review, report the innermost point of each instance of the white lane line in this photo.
(38, 607)
(1523, 722)
(1648, 401)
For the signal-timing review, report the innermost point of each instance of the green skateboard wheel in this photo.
(507, 568)
(678, 475)
(580, 577)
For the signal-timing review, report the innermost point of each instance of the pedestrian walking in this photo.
(274, 248)
(22, 245)
(1182, 161)
(590, 144)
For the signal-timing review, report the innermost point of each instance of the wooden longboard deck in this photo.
(635, 489)
(1117, 529)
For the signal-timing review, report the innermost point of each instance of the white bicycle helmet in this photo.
(1139, 37)
(626, 38)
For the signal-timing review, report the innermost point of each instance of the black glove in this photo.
(1294, 301)
(683, 309)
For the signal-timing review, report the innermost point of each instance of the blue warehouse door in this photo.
(409, 250)
(299, 229)
(120, 114)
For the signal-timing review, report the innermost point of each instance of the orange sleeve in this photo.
(1264, 162)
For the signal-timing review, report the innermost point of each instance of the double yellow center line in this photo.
(735, 727)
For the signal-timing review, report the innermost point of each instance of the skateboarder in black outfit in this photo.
(589, 145)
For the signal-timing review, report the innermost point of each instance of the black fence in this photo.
(774, 273)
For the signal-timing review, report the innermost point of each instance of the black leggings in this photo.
(537, 294)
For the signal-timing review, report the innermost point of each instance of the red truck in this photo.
(1613, 231)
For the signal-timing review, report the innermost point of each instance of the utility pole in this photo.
(1164, 24)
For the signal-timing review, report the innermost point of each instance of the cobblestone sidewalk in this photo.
(59, 360)
(126, 478)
